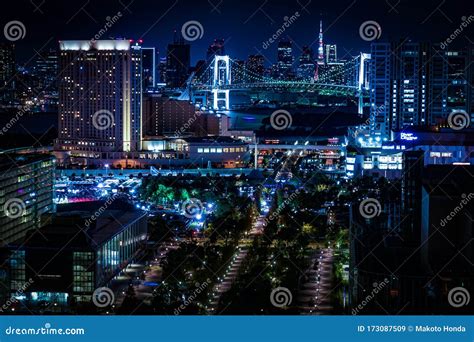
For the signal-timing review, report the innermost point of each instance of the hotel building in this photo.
(100, 91)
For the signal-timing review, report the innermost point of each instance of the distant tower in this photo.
(321, 44)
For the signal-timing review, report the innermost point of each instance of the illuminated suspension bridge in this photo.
(223, 75)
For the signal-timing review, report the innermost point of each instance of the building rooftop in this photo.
(9, 160)
(69, 225)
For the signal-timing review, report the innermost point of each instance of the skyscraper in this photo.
(149, 67)
(100, 91)
(26, 188)
(255, 66)
(415, 84)
(331, 53)
(46, 69)
(178, 59)
(7, 71)
(307, 67)
(215, 49)
(285, 59)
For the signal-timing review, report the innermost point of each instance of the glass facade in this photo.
(114, 254)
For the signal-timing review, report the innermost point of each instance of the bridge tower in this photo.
(221, 78)
(362, 83)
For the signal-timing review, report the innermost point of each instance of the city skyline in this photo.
(272, 158)
(340, 25)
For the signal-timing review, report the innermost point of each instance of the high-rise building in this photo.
(100, 92)
(161, 70)
(285, 59)
(215, 49)
(238, 71)
(148, 67)
(416, 84)
(46, 69)
(163, 116)
(255, 67)
(331, 53)
(7, 71)
(178, 59)
(307, 66)
(26, 192)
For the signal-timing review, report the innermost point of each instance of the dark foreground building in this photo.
(421, 255)
(83, 247)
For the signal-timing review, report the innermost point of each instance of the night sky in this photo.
(244, 24)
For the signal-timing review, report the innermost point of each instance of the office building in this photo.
(416, 84)
(255, 67)
(46, 70)
(163, 116)
(307, 66)
(100, 92)
(26, 185)
(215, 49)
(331, 53)
(285, 59)
(78, 250)
(149, 68)
(7, 71)
(178, 59)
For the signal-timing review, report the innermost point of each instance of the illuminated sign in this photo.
(408, 136)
